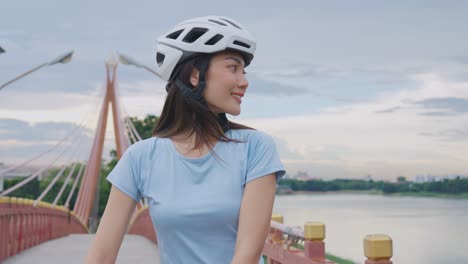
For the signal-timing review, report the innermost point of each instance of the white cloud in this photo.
(50, 106)
(346, 141)
(12, 32)
(358, 140)
(140, 98)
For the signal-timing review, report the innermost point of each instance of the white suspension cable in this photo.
(52, 183)
(134, 129)
(65, 184)
(78, 176)
(39, 172)
(129, 131)
(41, 154)
(80, 125)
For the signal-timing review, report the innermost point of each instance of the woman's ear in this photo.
(194, 77)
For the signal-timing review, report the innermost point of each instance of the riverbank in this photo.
(350, 217)
(402, 194)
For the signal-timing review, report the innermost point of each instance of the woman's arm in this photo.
(254, 219)
(112, 228)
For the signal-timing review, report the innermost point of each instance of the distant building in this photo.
(425, 178)
(284, 189)
(302, 176)
(432, 178)
(368, 178)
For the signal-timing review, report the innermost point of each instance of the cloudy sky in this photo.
(346, 88)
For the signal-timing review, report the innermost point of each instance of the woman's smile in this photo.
(238, 97)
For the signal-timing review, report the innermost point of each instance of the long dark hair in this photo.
(181, 114)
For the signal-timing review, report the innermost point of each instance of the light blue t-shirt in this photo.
(194, 203)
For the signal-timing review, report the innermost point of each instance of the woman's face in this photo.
(225, 83)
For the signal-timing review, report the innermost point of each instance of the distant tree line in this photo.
(446, 186)
(34, 188)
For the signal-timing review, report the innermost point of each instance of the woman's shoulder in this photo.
(142, 146)
(250, 135)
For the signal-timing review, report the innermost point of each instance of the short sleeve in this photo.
(125, 175)
(263, 158)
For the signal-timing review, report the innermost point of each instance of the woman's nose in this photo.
(243, 83)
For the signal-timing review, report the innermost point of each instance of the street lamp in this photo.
(127, 60)
(65, 58)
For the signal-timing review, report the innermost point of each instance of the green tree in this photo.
(34, 188)
(145, 126)
(30, 190)
(401, 179)
(389, 188)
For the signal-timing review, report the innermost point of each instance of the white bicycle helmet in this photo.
(207, 34)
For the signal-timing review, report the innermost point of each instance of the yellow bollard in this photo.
(314, 234)
(14, 201)
(277, 218)
(4, 199)
(378, 249)
(314, 231)
(277, 235)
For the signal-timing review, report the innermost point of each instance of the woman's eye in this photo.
(234, 68)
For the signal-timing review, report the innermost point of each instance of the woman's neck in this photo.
(185, 145)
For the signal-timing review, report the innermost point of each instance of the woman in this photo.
(210, 183)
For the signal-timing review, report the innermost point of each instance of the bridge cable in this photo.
(69, 176)
(129, 131)
(80, 125)
(78, 176)
(36, 174)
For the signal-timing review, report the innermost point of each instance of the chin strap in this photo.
(196, 94)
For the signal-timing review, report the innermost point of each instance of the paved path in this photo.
(72, 249)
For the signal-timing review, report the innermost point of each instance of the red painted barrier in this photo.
(23, 226)
(282, 245)
(142, 225)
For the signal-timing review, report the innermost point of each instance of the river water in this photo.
(423, 230)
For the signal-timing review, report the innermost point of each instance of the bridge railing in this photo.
(141, 224)
(288, 245)
(23, 225)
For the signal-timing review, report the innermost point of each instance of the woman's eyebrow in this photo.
(236, 59)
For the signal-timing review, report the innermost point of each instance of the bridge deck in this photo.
(72, 249)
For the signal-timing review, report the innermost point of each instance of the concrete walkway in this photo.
(72, 249)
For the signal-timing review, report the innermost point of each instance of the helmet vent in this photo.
(230, 22)
(194, 34)
(242, 44)
(175, 34)
(217, 22)
(160, 58)
(214, 39)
